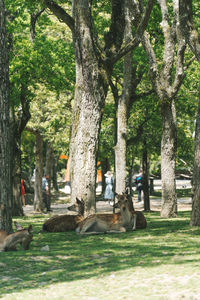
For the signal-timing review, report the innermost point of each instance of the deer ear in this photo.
(30, 228)
(18, 226)
(78, 201)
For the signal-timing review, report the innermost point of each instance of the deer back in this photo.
(62, 223)
(8, 242)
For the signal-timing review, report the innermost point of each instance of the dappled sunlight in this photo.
(72, 257)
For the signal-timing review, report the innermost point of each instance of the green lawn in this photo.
(161, 262)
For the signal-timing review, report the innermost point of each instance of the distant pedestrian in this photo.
(109, 193)
(45, 192)
(23, 192)
(139, 184)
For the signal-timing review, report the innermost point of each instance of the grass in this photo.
(160, 262)
(180, 193)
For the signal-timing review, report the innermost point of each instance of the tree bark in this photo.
(192, 37)
(168, 156)
(38, 201)
(123, 103)
(89, 101)
(195, 215)
(17, 209)
(166, 88)
(93, 70)
(5, 176)
(18, 122)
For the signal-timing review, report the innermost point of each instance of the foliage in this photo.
(47, 69)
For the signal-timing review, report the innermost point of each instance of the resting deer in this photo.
(64, 223)
(104, 223)
(22, 236)
(141, 222)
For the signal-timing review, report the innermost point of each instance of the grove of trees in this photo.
(110, 81)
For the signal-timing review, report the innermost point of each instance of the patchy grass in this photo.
(180, 193)
(161, 262)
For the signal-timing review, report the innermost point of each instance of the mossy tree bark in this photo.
(5, 176)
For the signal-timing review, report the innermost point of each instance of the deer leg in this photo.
(88, 226)
(134, 221)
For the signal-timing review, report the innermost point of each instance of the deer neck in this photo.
(127, 218)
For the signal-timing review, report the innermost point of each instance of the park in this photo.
(99, 149)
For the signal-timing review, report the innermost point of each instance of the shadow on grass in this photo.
(180, 193)
(73, 257)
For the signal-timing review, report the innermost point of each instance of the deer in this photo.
(141, 222)
(110, 223)
(9, 241)
(66, 222)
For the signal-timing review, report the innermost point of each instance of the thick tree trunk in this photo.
(38, 201)
(87, 113)
(120, 148)
(5, 176)
(167, 80)
(168, 159)
(17, 209)
(195, 215)
(193, 39)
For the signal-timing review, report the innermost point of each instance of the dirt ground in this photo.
(60, 205)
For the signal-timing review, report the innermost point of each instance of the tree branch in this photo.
(140, 30)
(187, 26)
(60, 13)
(34, 18)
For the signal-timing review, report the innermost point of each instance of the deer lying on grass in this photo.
(8, 242)
(64, 223)
(141, 222)
(105, 223)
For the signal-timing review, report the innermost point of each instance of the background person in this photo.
(45, 192)
(139, 185)
(23, 192)
(109, 194)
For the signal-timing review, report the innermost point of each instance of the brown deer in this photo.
(64, 223)
(105, 223)
(141, 222)
(8, 242)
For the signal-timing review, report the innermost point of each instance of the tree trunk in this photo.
(49, 164)
(5, 176)
(93, 70)
(123, 102)
(17, 209)
(54, 173)
(168, 159)
(145, 167)
(87, 112)
(38, 201)
(166, 80)
(193, 39)
(195, 215)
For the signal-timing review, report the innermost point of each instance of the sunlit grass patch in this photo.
(145, 263)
